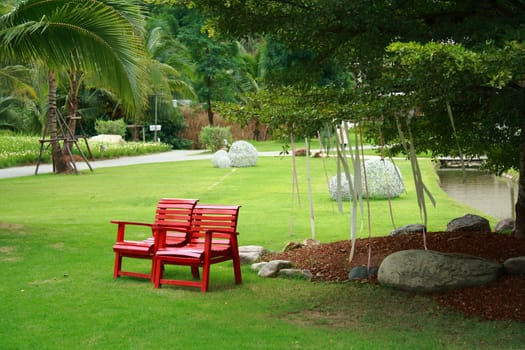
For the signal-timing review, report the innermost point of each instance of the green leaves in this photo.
(99, 37)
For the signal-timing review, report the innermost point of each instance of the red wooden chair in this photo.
(174, 214)
(213, 239)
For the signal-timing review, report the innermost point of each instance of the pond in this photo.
(492, 195)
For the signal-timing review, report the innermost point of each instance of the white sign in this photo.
(155, 127)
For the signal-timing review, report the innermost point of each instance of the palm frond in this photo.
(101, 37)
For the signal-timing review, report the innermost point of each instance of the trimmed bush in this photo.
(212, 137)
(111, 127)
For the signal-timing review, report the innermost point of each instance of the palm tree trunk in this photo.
(72, 108)
(60, 162)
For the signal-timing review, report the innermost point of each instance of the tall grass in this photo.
(56, 268)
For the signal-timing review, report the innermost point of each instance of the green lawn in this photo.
(58, 292)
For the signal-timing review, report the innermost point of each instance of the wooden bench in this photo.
(174, 214)
(212, 239)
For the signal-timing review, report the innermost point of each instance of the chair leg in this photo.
(118, 265)
(157, 272)
(195, 272)
(205, 282)
(237, 270)
(153, 267)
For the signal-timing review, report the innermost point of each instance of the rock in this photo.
(271, 269)
(295, 273)
(431, 271)
(251, 253)
(258, 266)
(362, 272)
(505, 225)
(242, 154)
(408, 229)
(469, 222)
(300, 152)
(384, 180)
(292, 246)
(311, 242)
(220, 159)
(106, 138)
(515, 266)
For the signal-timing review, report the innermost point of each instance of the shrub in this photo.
(111, 127)
(213, 137)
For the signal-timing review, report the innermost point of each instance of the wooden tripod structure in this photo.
(66, 135)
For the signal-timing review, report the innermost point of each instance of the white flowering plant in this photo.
(220, 159)
(242, 154)
(383, 178)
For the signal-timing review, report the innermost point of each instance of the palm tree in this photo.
(83, 37)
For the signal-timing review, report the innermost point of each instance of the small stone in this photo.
(258, 266)
(311, 242)
(271, 269)
(515, 266)
(292, 246)
(505, 225)
(470, 223)
(408, 229)
(362, 272)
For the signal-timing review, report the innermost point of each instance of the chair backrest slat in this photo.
(176, 212)
(222, 218)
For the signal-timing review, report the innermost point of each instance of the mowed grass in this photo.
(56, 267)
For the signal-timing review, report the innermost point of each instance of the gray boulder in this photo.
(469, 222)
(362, 272)
(515, 266)
(272, 268)
(408, 229)
(251, 253)
(242, 154)
(505, 225)
(431, 271)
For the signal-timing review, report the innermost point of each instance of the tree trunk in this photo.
(210, 110)
(519, 229)
(60, 162)
(72, 108)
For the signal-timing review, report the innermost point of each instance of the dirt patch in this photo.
(501, 300)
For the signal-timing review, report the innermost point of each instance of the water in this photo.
(490, 194)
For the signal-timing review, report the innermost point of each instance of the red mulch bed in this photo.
(501, 300)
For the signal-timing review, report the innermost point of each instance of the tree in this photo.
(489, 33)
(96, 37)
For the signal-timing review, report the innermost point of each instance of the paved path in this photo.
(171, 156)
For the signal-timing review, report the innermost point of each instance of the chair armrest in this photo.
(122, 227)
(122, 222)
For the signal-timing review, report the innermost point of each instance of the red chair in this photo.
(213, 239)
(174, 214)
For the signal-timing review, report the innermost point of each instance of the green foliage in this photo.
(484, 116)
(111, 127)
(103, 39)
(172, 122)
(17, 150)
(214, 137)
